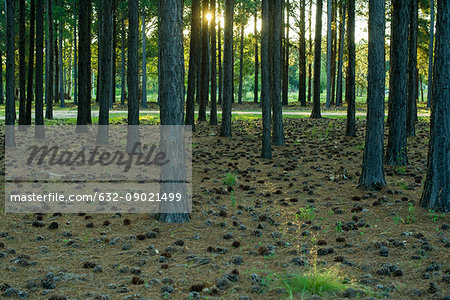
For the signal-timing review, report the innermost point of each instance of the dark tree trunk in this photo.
(56, 57)
(285, 88)
(317, 61)
(204, 71)
(225, 129)
(436, 193)
(275, 59)
(144, 62)
(302, 57)
(265, 82)
(329, 46)
(310, 53)
(430, 54)
(133, 70)
(342, 12)
(199, 59)
(333, 53)
(114, 56)
(256, 87)
(30, 65)
(350, 90)
(193, 64)
(2, 97)
(75, 64)
(411, 107)
(241, 64)
(61, 66)
(396, 154)
(171, 90)
(84, 64)
(213, 114)
(372, 175)
(10, 114)
(39, 71)
(98, 90)
(105, 47)
(220, 64)
(283, 42)
(49, 58)
(122, 81)
(22, 103)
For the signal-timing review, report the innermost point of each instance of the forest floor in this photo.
(295, 227)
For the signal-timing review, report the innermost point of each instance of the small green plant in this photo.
(411, 217)
(338, 227)
(308, 214)
(397, 219)
(230, 180)
(434, 216)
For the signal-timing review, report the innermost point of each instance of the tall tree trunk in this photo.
(144, 61)
(372, 175)
(61, 66)
(350, 91)
(342, 12)
(171, 89)
(329, 46)
(225, 129)
(317, 61)
(2, 99)
(310, 53)
(49, 58)
(430, 54)
(30, 65)
(285, 81)
(396, 154)
(411, 107)
(436, 193)
(275, 57)
(98, 90)
(204, 72)
(220, 64)
(265, 82)
(39, 71)
(133, 70)
(22, 103)
(122, 81)
(10, 114)
(333, 52)
(114, 56)
(256, 85)
(84, 65)
(241, 64)
(213, 114)
(75, 64)
(302, 57)
(56, 56)
(105, 48)
(193, 64)
(199, 59)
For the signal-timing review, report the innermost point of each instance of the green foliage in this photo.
(307, 214)
(410, 217)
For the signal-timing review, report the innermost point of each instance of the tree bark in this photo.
(342, 12)
(56, 57)
(114, 55)
(241, 64)
(49, 58)
(256, 85)
(285, 88)
(411, 107)
(329, 46)
(22, 99)
(30, 65)
(220, 101)
(61, 66)
(144, 62)
(436, 193)
(350, 90)
(430, 55)
(225, 129)
(372, 175)
(39, 71)
(122, 81)
(193, 64)
(10, 114)
(333, 52)
(265, 82)
(317, 61)
(310, 53)
(2, 97)
(75, 64)
(213, 112)
(396, 154)
(171, 90)
(204, 67)
(302, 57)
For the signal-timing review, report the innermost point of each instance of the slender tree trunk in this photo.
(220, 64)
(372, 175)
(310, 53)
(241, 64)
(61, 66)
(49, 58)
(30, 65)
(350, 91)
(256, 87)
(283, 48)
(133, 70)
(10, 116)
(204, 72)
(285, 88)
(213, 114)
(75, 64)
(302, 57)
(396, 154)
(329, 46)
(411, 107)
(275, 44)
(225, 129)
(430, 54)
(122, 89)
(193, 64)
(2, 99)
(22, 103)
(199, 59)
(114, 56)
(436, 193)
(39, 71)
(266, 102)
(341, 55)
(56, 56)
(333, 53)
(144, 61)
(317, 61)
(171, 89)
(84, 65)
(98, 90)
